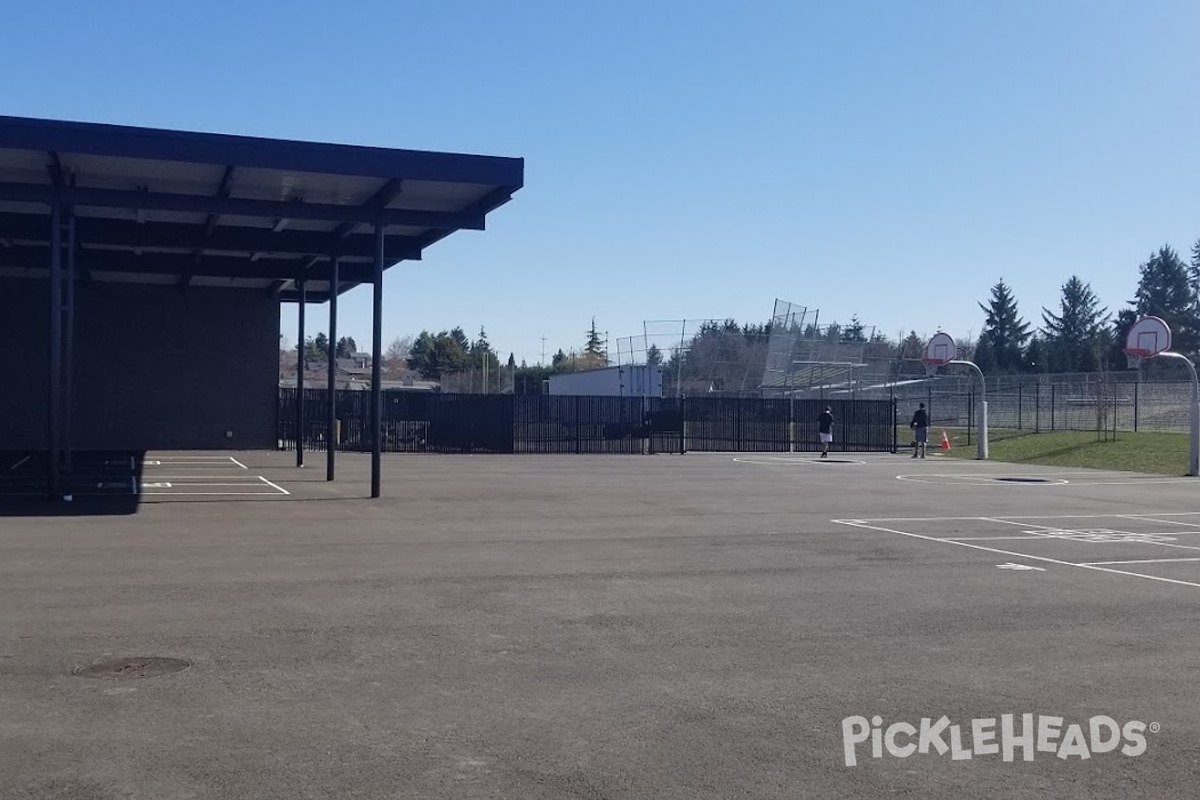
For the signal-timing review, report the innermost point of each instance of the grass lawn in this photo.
(1161, 453)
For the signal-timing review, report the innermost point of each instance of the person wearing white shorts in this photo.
(825, 431)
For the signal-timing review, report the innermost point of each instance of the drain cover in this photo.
(1024, 480)
(123, 669)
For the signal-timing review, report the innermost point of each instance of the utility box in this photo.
(628, 381)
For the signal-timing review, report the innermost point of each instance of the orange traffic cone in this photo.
(945, 441)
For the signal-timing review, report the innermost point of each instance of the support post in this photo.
(69, 347)
(982, 451)
(331, 419)
(301, 347)
(1194, 434)
(376, 365)
(54, 405)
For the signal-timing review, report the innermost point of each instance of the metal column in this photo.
(301, 346)
(331, 421)
(68, 392)
(376, 362)
(54, 407)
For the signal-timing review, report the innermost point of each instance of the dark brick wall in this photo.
(155, 367)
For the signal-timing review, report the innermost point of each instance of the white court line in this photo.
(1024, 516)
(275, 485)
(212, 494)
(858, 524)
(1166, 521)
(802, 460)
(1025, 538)
(1139, 561)
(1051, 530)
(240, 464)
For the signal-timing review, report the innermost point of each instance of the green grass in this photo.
(1158, 453)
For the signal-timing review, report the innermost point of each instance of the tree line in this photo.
(1082, 336)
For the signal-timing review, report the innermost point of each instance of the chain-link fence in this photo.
(1091, 405)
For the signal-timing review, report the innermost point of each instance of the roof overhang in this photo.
(201, 209)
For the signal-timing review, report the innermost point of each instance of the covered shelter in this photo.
(142, 273)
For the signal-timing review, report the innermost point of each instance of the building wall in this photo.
(626, 381)
(156, 367)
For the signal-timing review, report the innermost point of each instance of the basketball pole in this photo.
(982, 452)
(1194, 435)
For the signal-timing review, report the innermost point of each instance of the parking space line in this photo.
(273, 485)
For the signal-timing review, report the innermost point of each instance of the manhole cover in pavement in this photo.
(132, 668)
(1024, 480)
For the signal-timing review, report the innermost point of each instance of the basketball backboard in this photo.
(1147, 337)
(940, 351)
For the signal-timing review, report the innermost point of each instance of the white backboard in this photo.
(941, 349)
(1148, 337)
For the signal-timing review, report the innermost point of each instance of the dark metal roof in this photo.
(173, 207)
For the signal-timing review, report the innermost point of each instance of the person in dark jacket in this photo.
(920, 426)
(825, 431)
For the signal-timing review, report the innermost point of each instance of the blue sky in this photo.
(693, 159)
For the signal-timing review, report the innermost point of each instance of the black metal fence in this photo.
(415, 422)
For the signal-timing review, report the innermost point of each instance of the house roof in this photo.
(204, 209)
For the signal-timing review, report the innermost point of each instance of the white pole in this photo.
(982, 452)
(1194, 437)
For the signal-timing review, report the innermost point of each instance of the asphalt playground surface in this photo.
(601, 627)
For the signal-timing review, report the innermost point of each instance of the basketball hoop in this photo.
(1148, 337)
(940, 351)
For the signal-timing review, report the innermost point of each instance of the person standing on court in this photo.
(825, 431)
(920, 426)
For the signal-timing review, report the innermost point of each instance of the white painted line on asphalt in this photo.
(1139, 561)
(276, 486)
(1024, 516)
(1151, 518)
(1045, 559)
(213, 494)
(984, 538)
(240, 464)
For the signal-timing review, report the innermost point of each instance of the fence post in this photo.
(578, 427)
(1136, 384)
(1052, 404)
(682, 427)
(970, 415)
(1020, 405)
(896, 425)
(1037, 407)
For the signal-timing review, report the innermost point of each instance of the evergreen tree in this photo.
(346, 347)
(1037, 355)
(854, 332)
(1166, 290)
(1076, 337)
(1006, 333)
(594, 352)
(984, 356)
(912, 347)
(654, 356)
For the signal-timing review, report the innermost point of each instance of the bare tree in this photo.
(397, 354)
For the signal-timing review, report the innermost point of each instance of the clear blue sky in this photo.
(693, 159)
